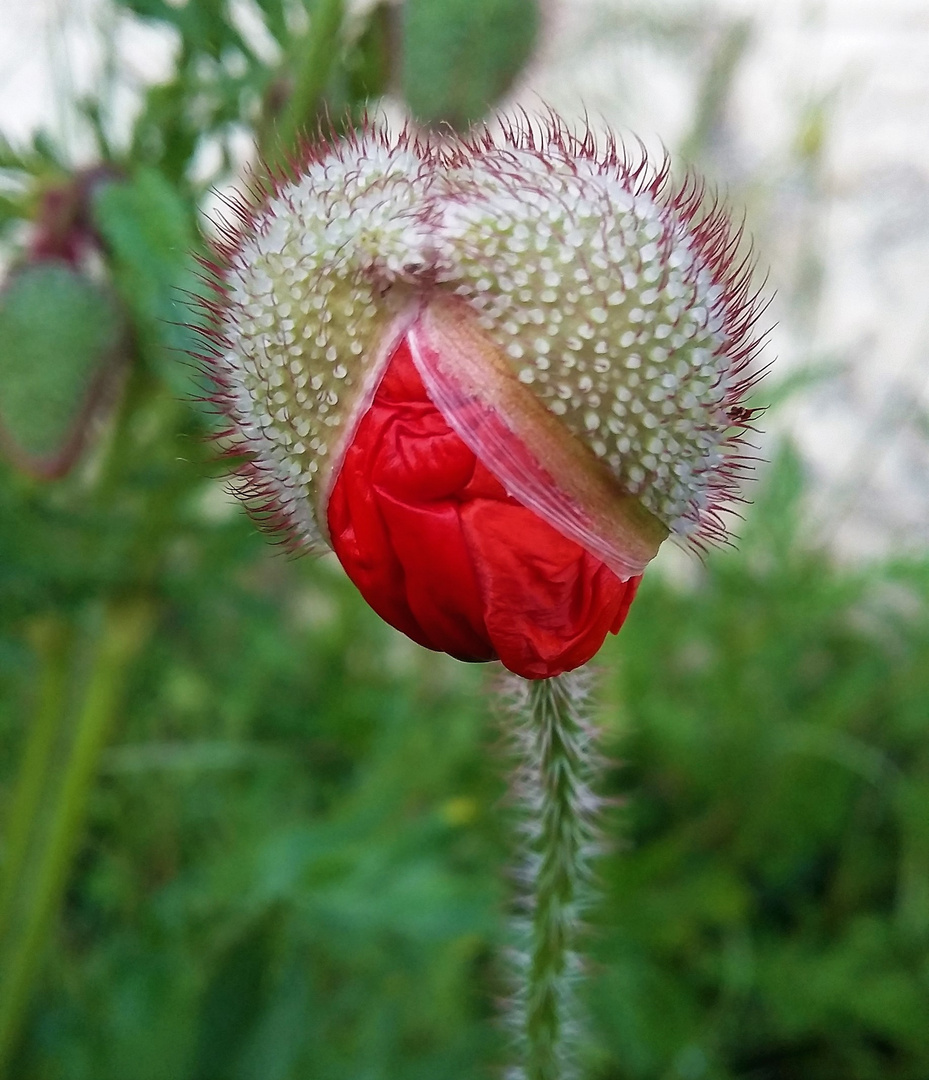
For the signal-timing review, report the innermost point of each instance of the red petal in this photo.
(441, 552)
(524, 445)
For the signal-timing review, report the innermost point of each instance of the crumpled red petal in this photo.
(440, 551)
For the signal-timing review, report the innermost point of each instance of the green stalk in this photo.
(52, 640)
(557, 806)
(85, 660)
(49, 806)
(311, 67)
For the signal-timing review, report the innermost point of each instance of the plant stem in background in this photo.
(311, 66)
(76, 710)
(557, 809)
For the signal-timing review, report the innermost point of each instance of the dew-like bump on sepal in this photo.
(614, 298)
(310, 300)
(618, 303)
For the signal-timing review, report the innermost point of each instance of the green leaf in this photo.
(59, 332)
(235, 999)
(368, 63)
(274, 13)
(461, 56)
(13, 157)
(204, 26)
(148, 230)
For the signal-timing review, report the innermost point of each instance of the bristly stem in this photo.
(557, 809)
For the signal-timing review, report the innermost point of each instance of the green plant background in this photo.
(249, 833)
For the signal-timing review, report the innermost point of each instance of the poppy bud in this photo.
(493, 375)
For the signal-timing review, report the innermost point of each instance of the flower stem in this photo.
(313, 59)
(49, 806)
(557, 807)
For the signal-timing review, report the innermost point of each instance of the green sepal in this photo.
(61, 337)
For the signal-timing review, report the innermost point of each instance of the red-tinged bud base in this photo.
(441, 552)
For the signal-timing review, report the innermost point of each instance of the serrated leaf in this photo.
(461, 56)
(59, 335)
(148, 231)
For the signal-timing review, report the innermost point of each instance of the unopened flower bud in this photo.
(492, 374)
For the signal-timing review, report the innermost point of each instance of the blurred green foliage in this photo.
(293, 863)
(249, 833)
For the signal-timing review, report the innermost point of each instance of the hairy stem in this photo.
(557, 808)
